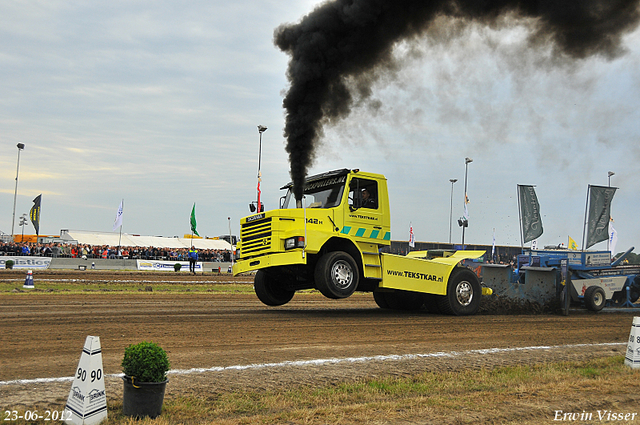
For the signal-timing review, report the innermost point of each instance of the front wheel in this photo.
(336, 275)
(271, 291)
(463, 293)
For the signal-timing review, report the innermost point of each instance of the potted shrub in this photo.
(145, 367)
(177, 267)
(9, 264)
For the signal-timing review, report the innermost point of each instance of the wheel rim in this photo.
(341, 274)
(598, 298)
(464, 293)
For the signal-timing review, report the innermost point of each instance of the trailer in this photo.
(591, 278)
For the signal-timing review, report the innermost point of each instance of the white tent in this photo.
(114, 239)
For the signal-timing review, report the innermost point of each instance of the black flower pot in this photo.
(142, 399)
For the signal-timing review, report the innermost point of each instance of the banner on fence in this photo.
(159, 265)
(26, 262)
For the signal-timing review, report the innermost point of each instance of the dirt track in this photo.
(43, 334)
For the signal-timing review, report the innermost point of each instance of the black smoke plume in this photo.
(336, 49)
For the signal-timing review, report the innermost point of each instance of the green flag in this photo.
(600, 198)
(530, 213)
(193, 220)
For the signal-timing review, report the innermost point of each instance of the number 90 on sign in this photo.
(95, 375)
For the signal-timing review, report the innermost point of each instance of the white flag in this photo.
(466, 210)
(613, 238)
(118, 222)
(493, 247)
(412, 241)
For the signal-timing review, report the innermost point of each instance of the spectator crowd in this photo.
(62, 250)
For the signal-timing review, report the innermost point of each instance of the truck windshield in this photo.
(325, 193)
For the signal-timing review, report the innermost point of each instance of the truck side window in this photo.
(363, 193)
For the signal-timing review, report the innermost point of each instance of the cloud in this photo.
(158, 104)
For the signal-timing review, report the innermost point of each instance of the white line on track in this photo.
(316, 362)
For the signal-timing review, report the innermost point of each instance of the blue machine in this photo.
(593, 279)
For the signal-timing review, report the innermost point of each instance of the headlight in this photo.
(295, 242)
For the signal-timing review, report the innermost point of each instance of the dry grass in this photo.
(506, 395)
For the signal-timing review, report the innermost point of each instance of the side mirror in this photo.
(254, 205)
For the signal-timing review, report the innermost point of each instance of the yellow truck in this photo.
(331, 240)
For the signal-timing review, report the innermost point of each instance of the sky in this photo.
(158, 103)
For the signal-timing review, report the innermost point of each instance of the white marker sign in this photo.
(28, 281)
(87, 400)
(632, 358)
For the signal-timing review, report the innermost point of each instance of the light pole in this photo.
(23, 220)
(466, 219)
(15, 193)
(451, 207)
(261, 129)
(230, 240)
(609, 174)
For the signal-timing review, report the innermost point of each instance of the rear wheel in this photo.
(594, 298)
(336, 275)
(381, 299)
(463, 293)
(634, 294)
(399, 300)
(270, 290)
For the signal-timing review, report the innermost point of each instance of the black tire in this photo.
(463, 293)
(634, 294)
(595, 298)
(380, 299)
(336, 275)
(431, 303)
(271, 291)
(565, 299)
(404, 300)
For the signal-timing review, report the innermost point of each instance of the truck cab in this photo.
(285, 245)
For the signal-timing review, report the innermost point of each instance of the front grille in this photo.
(255, 237)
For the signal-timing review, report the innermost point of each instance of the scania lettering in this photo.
(331, 240)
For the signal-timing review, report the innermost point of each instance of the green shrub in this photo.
(177, 267)
(146, 361)
(9, 264)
